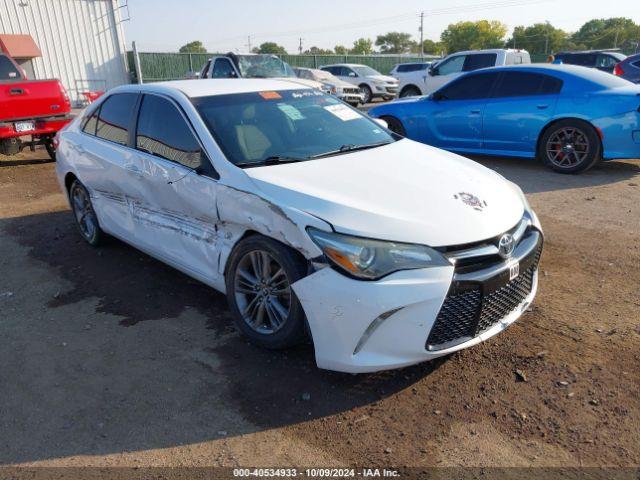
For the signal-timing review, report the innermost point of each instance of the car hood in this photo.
(384, 78)
(338, 83)
(405, 192)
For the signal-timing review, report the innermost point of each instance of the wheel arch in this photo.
(69, 178)
(560, 119)
(409, 87)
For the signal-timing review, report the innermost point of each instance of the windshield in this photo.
(602, 79)
(253, 128)
(365, 71)
(322, 75)
(263, 66)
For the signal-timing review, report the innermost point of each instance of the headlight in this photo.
(374, 259)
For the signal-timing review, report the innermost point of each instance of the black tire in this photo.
(368, 94)
(395, 125)
(410, 91)
(51, 150)
(354, 104)
(86, 218)
(570, 146)
(292, 330)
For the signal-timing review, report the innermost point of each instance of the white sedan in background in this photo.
(316, 221)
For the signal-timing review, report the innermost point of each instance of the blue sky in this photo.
(222, 25)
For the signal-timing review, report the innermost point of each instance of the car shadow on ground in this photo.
(17, 162)
(196, 370)
(533, 177)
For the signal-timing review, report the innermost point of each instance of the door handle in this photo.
(16, 91)
(475, 112)
(543, 106)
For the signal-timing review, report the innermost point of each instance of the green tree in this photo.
(430, 47)
(474, 35)
(318, 51)
(539, 38)
(607, 33)
(193, 47)
(395, 42)
(340, 50)
(362, 46)
(270, 47)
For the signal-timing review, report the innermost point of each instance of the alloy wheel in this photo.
(262, 291)
(83, 211)
(568, 147)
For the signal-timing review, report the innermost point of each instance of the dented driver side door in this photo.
(175, 218)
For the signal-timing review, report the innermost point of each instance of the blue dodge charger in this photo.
(567, 116)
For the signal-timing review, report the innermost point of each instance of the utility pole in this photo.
(422, 34)
(300, 47)
(249, 43)
(615, 42)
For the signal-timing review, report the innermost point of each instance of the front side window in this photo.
(523, 84)
(478, 61)
(298, 125)
(8, 70)
(223, 69)
(163, 132)
(469, 87)
(115, 117)
(452, 65)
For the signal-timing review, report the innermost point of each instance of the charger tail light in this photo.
(618, 70)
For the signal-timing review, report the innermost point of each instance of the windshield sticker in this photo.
(290, 111)
(343, 112)
(307, 93)
(270, 95)
(13, 74)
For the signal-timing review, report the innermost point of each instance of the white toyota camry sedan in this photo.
(315, 220)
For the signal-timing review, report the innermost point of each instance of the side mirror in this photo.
(433, 71)
(353, 74)
(381, 122)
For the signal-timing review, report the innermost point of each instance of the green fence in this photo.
(156, 67)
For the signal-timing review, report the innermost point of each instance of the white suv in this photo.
(372, 83)
(451, 67)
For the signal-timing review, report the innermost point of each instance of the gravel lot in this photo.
(108, 357)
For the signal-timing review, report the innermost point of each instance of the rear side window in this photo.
(523, 84)
(115, 117)
(8, 70)
(164, 132)
(332, 70)
(411, 67)
(469, 87)
(478, 61)
(636, 64)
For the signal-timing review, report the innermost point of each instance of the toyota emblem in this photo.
(506, 245)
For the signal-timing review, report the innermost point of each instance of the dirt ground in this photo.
(108, 357)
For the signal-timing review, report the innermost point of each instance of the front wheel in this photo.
(395, 125)
(570, 146)
(258, 280)
(368, 94)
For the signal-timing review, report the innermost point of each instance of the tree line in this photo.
(538, 38)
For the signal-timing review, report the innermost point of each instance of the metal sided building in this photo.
(81, 42)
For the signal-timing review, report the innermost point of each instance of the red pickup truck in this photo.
(31, 111)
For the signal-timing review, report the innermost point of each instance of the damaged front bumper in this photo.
(417, 315)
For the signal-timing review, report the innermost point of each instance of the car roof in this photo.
(540, 67)
(344, 65)
(490, 50)
(209, 87)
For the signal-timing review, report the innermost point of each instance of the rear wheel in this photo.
(570, 146)
(368, 94)
(395, 125)
(259, 278)
(85, 216)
